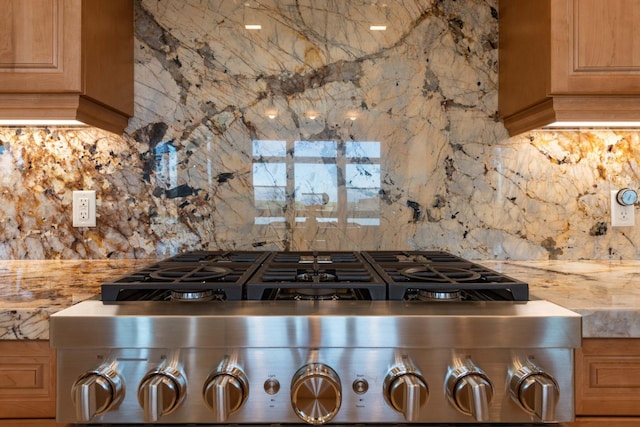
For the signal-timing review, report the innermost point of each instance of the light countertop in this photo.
(31, 290)
(605, 293)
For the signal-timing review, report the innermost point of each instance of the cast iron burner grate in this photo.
(411, 274)
(192, 276)
(315, 275)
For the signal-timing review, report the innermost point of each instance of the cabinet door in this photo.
(595, 47)
(608, 377)
(603, 422)
(40, 46)
(27, 380)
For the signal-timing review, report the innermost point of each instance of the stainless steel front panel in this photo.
(387, 324)
(264, 364)
(270, 341)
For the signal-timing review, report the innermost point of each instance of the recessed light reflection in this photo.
(271, 113)
(352, 115)
(378, 27)
(253, 27)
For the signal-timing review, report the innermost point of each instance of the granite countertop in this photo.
(606, 293)
(31, 290)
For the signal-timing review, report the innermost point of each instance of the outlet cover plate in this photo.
(621, 216)
(84, 208)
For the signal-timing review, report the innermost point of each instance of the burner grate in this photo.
(412, 274)
(374, 275)
(286, 274)
(213, 275)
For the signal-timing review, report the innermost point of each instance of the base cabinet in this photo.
(608, 383)
(27, 383)
(32, 423)
(604, 422)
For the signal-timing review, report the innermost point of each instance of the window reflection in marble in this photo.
(166, 158)
(269, 180)
(326, 182)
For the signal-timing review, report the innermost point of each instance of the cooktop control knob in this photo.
(535, 391)
(316, 393)
(469, 389)
(405, 390)
(225, 391)
(161, 392)
(97, 392)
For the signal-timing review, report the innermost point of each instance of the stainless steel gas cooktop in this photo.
(216, 337)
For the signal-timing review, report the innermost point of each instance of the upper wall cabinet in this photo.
(568, 61)
(67, 60)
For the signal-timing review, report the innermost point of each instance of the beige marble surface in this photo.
(607, 294)
(32, 290)
(315, 133)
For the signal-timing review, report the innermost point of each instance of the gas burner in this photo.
(440, 274)
(315, 295)
(412, 258)
(310, 259)
(316, 276)
(312, 294)
(439, 295)
(192, 295)
(189, 274)
(302, 297)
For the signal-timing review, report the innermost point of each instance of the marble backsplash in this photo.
(316, 133)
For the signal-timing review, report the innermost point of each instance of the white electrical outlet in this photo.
(621, 216)
(84, 208)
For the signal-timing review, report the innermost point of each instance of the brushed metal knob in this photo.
(97, 392)
(272, 386)
(225, 391)
(316, 393)
(535, 390)
(469, 390)
(161, 392)
(405, 390)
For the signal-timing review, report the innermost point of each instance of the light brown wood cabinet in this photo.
(27, 380)
(608, 383)
(568, 60)
(67, 59)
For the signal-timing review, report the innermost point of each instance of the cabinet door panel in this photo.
(40, 46)
(608, 377)
(595, 47)
(607, 35)
(603, 422)
(30, 32)
(27, 380)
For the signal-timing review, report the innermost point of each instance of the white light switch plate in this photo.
(84, 208)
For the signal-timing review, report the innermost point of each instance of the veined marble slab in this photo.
(607, 294)
(32, 290)
(317, 133)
